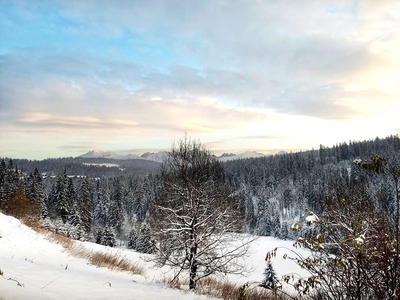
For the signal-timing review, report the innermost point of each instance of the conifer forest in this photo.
(340, 202)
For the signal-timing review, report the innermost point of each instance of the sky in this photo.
(239, 75)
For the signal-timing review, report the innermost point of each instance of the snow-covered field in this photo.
(46, 271)
(107, 165)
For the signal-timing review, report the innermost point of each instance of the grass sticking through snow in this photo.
(98, 259)
(226, 290)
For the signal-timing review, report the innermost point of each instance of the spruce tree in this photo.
(85, 206)
(99, 237)
(270, 280)
(108, 237)
(62, 196)
(132, 239)
(144, 242)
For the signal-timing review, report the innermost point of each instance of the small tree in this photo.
(144, 242)
(99, 236)
(270, 280)
(85, 206)
(108, 238)
(195, 219)
(132, 239)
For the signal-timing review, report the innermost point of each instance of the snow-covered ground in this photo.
(47, 271)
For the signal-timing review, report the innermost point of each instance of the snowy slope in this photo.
(247, 154)
(96, 153)
(47, 271)
(157, 157)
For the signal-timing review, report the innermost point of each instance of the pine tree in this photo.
(44, 213)
(116, 217)
(3, 177)
(74, 215)
(62, 197)
(85, 206)
(275, 219)
(108, 238)
(99, 236)
(132, 239)
(270, 280)
(100, 214)
(36, 188)
(144, 242)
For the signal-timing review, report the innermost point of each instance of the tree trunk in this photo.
(192, 258)
(193, 272)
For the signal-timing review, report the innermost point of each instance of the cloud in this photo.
(126, 68)
(256, 137)
(292, 58)
(174, 102)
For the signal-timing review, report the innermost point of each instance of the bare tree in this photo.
(195, 219)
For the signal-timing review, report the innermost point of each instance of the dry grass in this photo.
(63, 240)
(226, 290)
(115, 262)
(98, 259)
(28, 213)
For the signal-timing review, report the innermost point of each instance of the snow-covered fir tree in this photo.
(108, 237)
(132, 239)
(144, 241)
(270, 280)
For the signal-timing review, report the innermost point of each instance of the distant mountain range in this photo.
(232, 156)
(96, 153)
(160, 156)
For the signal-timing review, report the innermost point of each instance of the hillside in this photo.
(47, 271)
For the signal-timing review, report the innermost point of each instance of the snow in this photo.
(248, 154)
(47, 271)
(108, 165)
(360, 240)
(98, 153)
(157, 157)
(311, 219)
(256, 260)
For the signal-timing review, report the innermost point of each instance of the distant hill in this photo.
(96, 153)
(160, 156)
(91, 166)
(157, 157)
(247, 154)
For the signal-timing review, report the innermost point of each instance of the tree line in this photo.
(265, 195)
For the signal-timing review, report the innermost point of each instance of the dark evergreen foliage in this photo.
(272, 192)
(108, 237)
(270, 280)
(132, 239)
(144, 242)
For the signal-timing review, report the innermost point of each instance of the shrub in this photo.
(21, 208)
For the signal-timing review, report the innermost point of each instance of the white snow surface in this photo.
(108, 165)
(247, 154)
(47, 271)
